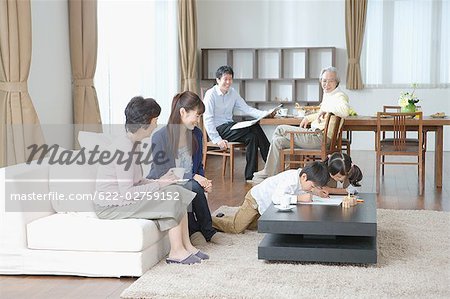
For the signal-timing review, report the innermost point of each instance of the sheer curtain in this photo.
(137, 55)
(407, 41)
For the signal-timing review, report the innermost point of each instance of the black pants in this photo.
(253, 137)
(199, 216)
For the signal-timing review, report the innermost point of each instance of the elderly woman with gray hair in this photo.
(334, 101)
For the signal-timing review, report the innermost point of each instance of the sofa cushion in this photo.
(75, 186)
(72, 232)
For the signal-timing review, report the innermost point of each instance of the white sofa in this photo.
(34, 239)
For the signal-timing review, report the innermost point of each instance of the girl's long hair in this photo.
(342, 163)
(189, 101)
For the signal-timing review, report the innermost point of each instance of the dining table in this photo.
(369, 124)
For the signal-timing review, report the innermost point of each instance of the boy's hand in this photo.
(321, 192)
(304, 197)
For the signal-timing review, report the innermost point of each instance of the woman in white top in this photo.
(124, 193)
(294, 184)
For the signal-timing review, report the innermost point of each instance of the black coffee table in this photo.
(316, 233)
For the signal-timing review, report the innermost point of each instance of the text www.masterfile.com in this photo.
(96, 196)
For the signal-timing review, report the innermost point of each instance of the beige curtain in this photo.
(83, 56)
(187, 39)
(19, 125)
(355, 21)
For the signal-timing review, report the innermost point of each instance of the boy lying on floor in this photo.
(296, 184)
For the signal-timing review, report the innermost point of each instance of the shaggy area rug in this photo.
(413, 262)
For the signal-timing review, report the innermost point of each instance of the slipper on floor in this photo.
(191, 259)
(202, 255)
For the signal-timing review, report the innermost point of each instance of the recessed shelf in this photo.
(319, 58)
(307, 91)
(294, 63)
(255, 91)
(268, 64)
(216, 58)
(281, 91)
(243, 64)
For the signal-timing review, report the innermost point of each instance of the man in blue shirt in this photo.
(220, 101)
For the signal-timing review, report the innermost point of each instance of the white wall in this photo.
(276, 23)
(50, 74)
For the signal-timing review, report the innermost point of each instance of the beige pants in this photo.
(246, 217)
(280, 141)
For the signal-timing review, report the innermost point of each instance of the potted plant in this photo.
(407, 101)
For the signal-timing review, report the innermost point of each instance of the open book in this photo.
(248, 123)
(334, 200)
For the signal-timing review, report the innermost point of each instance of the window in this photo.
(407, 41)
(137, 55)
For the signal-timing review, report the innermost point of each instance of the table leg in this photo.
(438, 156)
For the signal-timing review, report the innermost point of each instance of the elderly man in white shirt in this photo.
(220, 102)
(334, 101)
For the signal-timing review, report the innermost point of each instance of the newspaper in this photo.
(249, 123)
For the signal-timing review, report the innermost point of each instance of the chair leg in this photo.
(204, 159)
(224, 165)
(382, 166)
(348, 150)
(282, 162)
(231, 163)
(420, 178)
(378, 174)
(421, 174)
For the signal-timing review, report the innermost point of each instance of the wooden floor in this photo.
(399, 190)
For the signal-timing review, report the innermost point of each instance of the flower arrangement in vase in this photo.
(407, 100)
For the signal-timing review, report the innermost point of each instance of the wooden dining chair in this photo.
(210, 148)
(397, 109)
(400, 145)
(346, 141)
(331, 142)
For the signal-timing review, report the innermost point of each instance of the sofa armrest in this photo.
(16, 214)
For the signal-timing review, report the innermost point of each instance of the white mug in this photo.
(283, 112)
(285, 202)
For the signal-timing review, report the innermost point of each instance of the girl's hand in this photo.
(204, 182)
(208, 187)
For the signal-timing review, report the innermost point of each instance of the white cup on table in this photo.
(285, 202)
(283, 111)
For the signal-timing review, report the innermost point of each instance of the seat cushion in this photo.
(408, 148)
(73, 232)
(408, 140)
